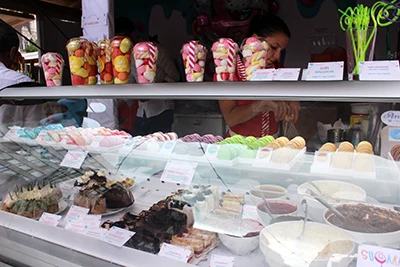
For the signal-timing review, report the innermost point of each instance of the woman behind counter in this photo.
(244, 117)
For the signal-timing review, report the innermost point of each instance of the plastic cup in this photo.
(82, 59)
(104, 63)
(254, 51)
(224, 52)
(145, 55)
(53, 65)
(121, 49)
(194, 59)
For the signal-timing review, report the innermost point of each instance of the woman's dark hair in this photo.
(265, 26)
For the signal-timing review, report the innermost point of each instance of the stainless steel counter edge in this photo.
(379, 91)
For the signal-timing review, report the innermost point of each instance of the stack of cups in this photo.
(224, 53)
(121, 49)
(52, 64)
(194, 59)
(104, 63)
(254, 52)
(145, 55)
(82, 58)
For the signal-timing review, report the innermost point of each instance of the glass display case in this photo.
(269, 202)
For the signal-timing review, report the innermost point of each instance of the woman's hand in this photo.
(281, 109)
(294, 110)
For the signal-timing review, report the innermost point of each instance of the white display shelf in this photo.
(379, 91)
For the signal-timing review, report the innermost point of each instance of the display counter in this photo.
(203, 195)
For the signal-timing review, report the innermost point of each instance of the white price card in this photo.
(91, 221)
(250, 212)
(76, 213)
(181, 172)
(391, 118)
(74, 159)
(379, 70)
(221, 261)
(373, 256)
(117, 236)
(76, 226)
(263, 75)
(174, 252)
(96, 232)
(50, 219)
(286, 74)
(325, 71)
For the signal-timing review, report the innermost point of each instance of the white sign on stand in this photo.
(373, 256)
(379, 70)
(286, 74)
(74, 159)
(181, 172)
(117, 236)
(174, 252)
(221, 261)
(325, 71)
(263, 75)
(50, 219)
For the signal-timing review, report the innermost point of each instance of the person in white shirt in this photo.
(152, 115)
(21, 115)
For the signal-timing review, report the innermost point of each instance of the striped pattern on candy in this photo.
(152, 51)
(231, 52)
(60, 62)
(265, 123)
(87, 50)
(241, 69)
(108, 50)
(192, 46)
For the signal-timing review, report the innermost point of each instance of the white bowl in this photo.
(390, 239)
(335, 191)
(281, 246)
(264, 216)
(242, 244)
(270, 192)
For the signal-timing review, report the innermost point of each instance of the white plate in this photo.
(113, 211)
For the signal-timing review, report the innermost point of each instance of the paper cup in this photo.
(145, 55)
(121, 49)
(194, 59)
(53, 65)
(224, 52)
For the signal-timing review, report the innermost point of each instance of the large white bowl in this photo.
(241, 245)
(347, 192)
(381, 239)
(270, 192)
(281, 246)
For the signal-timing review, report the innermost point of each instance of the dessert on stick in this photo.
(145, 55)
(224, 52)
(52, 64)
(194, 57)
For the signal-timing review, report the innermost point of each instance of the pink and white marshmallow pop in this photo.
(224, 53)
(145, 55)
(52, 64)
(194, 57)
(254, 52)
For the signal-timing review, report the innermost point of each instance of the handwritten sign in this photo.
(379, 70)
(286, 74)
(117, 236)
(181, 172)
(325, 71)
(74, 159)
(263, 75)
(50, 219)
(372, 256)
(174, 252)
(221, 261)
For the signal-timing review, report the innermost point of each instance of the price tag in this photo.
(76, 226)
(304, 75)
(181, 172)
(50, 219)
(325, 71)
(74, 159)
(96, 232)
(174, 252)
(250, 212)
(379, 70)
(263, 75)
(117, 236)
(286, 74)
(76, 213)
(372, 256)
(221, 261)
(91, 221)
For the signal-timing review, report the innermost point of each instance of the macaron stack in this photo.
(328, 147)
(251, 142)
(208, 138)
(364, 147)
(364, 159)
(121, 49)
(287, 150)
(395, 152)
(229, 152)
(159, 136)
(278, 143)
(344, 158)
(82, 58)
(254, 52)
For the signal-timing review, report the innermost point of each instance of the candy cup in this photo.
(224, 53)
(82, 59)
(254, 52)
(121, 49)
(145, 55)
(104, 63)
(52, 64)
(194, 56)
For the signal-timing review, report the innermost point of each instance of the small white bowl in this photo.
(248, 236)
(264, 216)
(269, 191)
(390, 239)
(340, 192)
